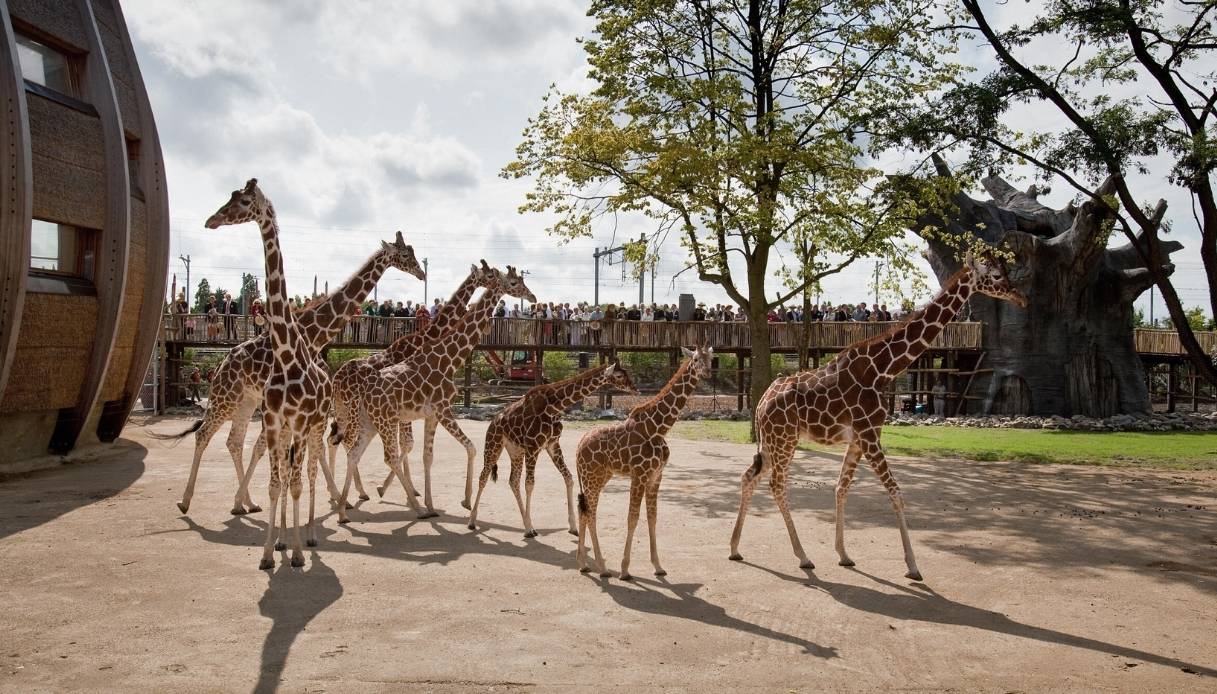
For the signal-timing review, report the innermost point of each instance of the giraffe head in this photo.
(616, 378)
(699, 361)
(246, 205)
(483, 276)
(512, 284)
(991, 276)
(401, 256)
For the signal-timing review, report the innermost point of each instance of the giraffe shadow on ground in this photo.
(292, 599)
(660, 597)
(921, 603)
(1079, 518)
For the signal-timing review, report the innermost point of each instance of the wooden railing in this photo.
(376, 333)
(1166, 342)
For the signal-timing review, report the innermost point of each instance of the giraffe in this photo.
(636, 448)
(347, 379)
(533, 424)
(420, 387)
(298, 388)
(236, 386)
(842, 402)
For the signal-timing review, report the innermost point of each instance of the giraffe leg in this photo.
(652, 490)
(296, 487)
(363, 495)
(592, 495)
(354, 448)
(517, 468)
(530, 481)
(555, 454)
(878, 462)
(777, 484)
(406, 435)
(316, 446)
(492, 450)
(429, 426)
(316, 458)
(281, 543)
(275, 488)
(237, 448)
(201, 438)
(393, 459)
(748, 484)
(448, 421)
(637, 491)
(848, 466)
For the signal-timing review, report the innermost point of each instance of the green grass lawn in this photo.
(1168, 451)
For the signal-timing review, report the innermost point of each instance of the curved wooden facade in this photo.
(73, 352)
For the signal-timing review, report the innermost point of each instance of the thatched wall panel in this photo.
(45, 378)
(53, 320)
(116, 377)
(67, 134)
(66, 26)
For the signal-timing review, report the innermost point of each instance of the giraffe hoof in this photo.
(344, 521)
(472, 526)
(311, 543)
(298, 560)
(417, 494)
(350, 506)
(254, 508)
(183, 507)
(584, 569)
(660, 572)
(625, 576)
(280, 546)
(736, 556)
(465, 505)
(915, 575)
(266, 564)
(364, 497)
(574, 532)
(430, 514)
(806, 564)
(846, 562)
(236, 511)
(380, 491)
(531, 533)
(606, 574)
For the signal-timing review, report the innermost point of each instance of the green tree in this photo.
(732, 124)
(249, 291)
(1196, 320)
(1159, 54)
(201, 296)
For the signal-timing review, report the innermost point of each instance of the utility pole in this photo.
(1151, 306)
(426, 281)
(596, 291)
(186, 259)
(642, 271)
(877, 264)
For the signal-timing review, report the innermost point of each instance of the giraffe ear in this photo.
(250, 185)
(609, 371)
(384, 246)
(688, 352)
(400, 240)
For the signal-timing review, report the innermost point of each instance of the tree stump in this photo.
(1071, 351)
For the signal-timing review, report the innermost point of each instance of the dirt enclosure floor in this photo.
(1036, 578)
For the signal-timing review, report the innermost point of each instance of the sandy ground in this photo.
(1036, 578)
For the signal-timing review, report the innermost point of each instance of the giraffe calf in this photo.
(636, 448)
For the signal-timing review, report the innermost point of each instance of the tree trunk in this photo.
(758, 327)
(1071, 351)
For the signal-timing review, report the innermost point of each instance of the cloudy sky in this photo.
(361, 118)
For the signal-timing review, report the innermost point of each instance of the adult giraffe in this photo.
(297, 392)
(842, 402)
(420, 387)
(236, 386)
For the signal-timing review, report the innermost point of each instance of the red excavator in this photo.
(522, 369)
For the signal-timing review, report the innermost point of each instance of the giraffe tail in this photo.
(336, 434)
(758, 462)
(198, 424)
(582, 504)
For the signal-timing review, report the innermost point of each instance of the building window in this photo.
(48, 67)
(63, 250)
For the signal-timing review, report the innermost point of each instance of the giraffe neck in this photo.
(456, 306)
(909, 341)
(566, 393)
(408, 344)
(320, 325)
(277, 310)
(455, 346)
(657, 415)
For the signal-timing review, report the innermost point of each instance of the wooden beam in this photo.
(111, 268)
(156, 249)
(16, 198)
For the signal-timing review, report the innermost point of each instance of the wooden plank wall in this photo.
(16, 198)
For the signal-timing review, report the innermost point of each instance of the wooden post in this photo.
(469, 382)
(739, 381)
(608, 394)
(602, 399)
(1172, 386)
(1194, 380)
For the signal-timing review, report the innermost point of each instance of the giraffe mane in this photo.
(917, 314)
(546, 390)
(651, 403)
